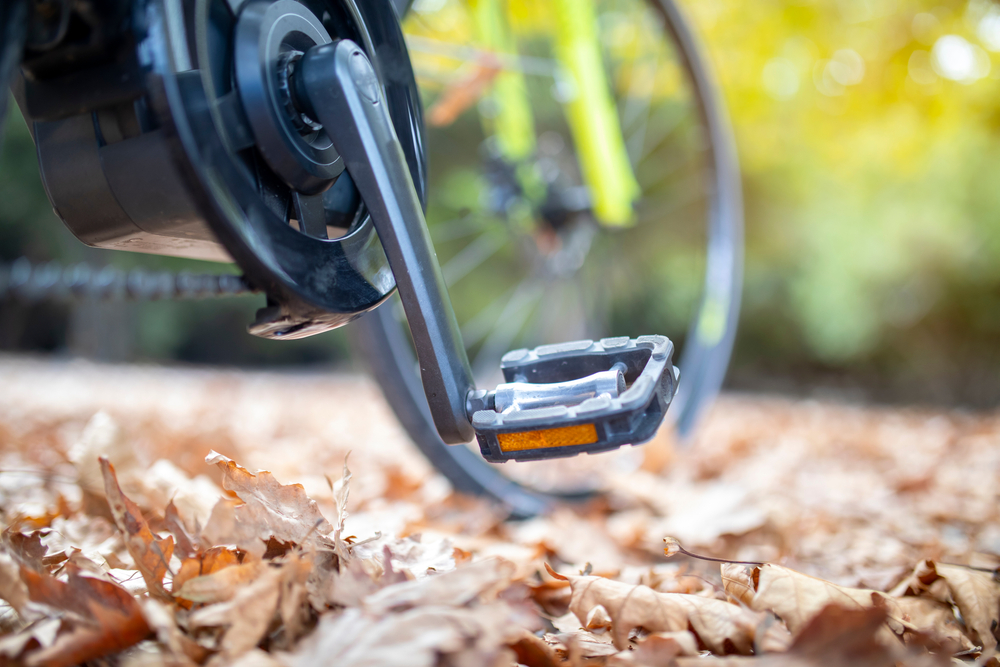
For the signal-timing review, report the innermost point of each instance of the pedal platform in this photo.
(584, 396)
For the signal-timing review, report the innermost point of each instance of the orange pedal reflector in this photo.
(565, 436)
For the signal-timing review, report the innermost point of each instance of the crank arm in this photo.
(336, 85)
(559, 400)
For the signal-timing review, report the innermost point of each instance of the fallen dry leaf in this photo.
(105, 618)
(347, 586)
(220, 585)
(976, 594)
(185, 543)
(164, 483)
(420, 637)
(411, 554)
(834, 637)
(533, 651)
(208, 562)
(458, 587)
(848, 494)
(839, 636)
(269, 509)
(293, 606)
(935, 619)
(255, 658)
(246, 616)
(553, 596)
(182, 650)
(26, 549)
(658, 648)
(151, 553)
(42, 632)
(12, 589)
(721, 626)
(797, 599)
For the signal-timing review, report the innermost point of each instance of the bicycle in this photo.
(288, 137)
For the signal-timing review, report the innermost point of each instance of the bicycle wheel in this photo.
(559, 276)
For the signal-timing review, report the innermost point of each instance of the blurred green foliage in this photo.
(868, 135)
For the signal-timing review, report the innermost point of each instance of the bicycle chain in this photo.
(29, 282)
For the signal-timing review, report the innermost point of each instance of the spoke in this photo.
(440, 80)
(531, 65)
(510, 323)
(477, 328)
(664, 170)
(565, 319)
(471, 256)
(687, 191)
(599, 312)
(446, 78)
(310, 213)
(657, 139)
(456, 228)
(635, 142)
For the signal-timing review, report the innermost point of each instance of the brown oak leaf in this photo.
(207, 562)
(481, 580)
(721, 626)
(834, 637)
(976, 594)
(27, 549)
(151, 553)
(220, 585)
(797, 599)
(658, 648)
(181, 649)
(173, 523)
(12, 589)
(424, 636)
(246, 617)
(104, 617)
(269, 509)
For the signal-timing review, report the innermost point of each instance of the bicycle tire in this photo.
(381, 340)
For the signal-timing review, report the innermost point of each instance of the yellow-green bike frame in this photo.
(589, 107)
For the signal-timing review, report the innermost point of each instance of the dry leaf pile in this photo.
(875, 532)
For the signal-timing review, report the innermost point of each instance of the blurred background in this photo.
(869, 139)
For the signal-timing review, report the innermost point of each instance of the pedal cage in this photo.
(601, 422)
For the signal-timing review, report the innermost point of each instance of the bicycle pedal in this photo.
(584, 396)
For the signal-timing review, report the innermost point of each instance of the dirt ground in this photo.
(856, 496)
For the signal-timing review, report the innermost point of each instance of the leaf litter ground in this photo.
(186, 517)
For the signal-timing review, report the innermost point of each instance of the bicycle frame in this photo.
(589, 109)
